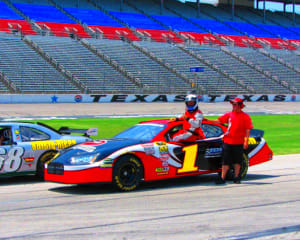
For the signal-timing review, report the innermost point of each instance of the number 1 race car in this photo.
(146, 152)
(25, 147)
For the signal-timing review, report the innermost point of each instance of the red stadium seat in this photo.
(295, 43)
(160, 35)
(64, 29)
(240, 41)
(114, 33)
(276, 43)
(202, 38)
(11, 25)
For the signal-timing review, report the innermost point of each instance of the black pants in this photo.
(232, 154)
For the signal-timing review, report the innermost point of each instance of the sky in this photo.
(269, 5)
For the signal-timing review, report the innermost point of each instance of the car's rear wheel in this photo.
(40, 167)
(127, 173)
(243, 170)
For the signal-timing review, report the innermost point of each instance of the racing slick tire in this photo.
(127, 173)
(40, 167)
(243, 170)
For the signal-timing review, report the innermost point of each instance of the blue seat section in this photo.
(281, 31)
(250, 29)
(93, 17)
(295, 29)
(8, 13)
(137, 20)
(43, 13)
(216, 26)
(178, 23)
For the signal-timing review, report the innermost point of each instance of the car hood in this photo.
(103, 148)
(112, 145)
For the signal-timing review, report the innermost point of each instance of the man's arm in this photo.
(246, 138)
(196, 123)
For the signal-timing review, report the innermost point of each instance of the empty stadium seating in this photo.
(64, 29)
(93, 17)
(273, 67)
(157, 29)
(44, 13)
(152, 75)
(202, 38)
(96, 74)
(210, 79)
(245, 73)
(275, 43)
(160, 35)
(240, 41)
(28, 71)
(8, 13)
(214, 26)
(137, 20)
(114, 33)
(16, 26)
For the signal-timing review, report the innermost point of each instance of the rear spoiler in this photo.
(256, 133)
(85, 132)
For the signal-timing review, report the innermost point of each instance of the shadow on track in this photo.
(178, 183)
(17, 180)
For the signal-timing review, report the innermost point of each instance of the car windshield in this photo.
(146, 131)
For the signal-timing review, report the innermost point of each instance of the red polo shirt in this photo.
(238, 123)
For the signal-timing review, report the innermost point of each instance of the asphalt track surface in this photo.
(265, 206)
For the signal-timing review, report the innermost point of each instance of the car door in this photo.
(204, 154)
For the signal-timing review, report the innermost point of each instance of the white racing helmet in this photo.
(191, 102)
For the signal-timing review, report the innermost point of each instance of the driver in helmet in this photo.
(192, 120)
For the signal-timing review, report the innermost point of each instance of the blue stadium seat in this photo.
(93, 17)
(137, 20)
(43, 13)
(281, 31)
(216, 26)
(250, 29)
(8, 13)
(178, 23)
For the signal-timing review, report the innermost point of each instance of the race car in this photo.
(146, 152)
(26, 147)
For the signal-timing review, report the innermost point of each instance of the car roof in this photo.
(16, 124)
(27, 124)
(158, 121)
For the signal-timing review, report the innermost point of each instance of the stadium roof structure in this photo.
(283, 1)
(233, 3)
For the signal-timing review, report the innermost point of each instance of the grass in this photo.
(282, 132)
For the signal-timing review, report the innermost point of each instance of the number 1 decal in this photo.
(189, 160)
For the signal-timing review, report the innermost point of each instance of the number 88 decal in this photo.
(13, 160)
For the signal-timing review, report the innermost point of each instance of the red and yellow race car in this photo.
(146, 152)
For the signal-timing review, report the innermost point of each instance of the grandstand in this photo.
(146, 46)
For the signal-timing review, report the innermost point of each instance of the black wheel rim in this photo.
(128, 174)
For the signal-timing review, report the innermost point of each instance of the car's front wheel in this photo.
(40, 167)
(127, 173)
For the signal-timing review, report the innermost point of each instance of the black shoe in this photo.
(220, 180)
(237, 180)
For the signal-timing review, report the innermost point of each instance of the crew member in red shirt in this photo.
(235, 139)
(192, 120)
